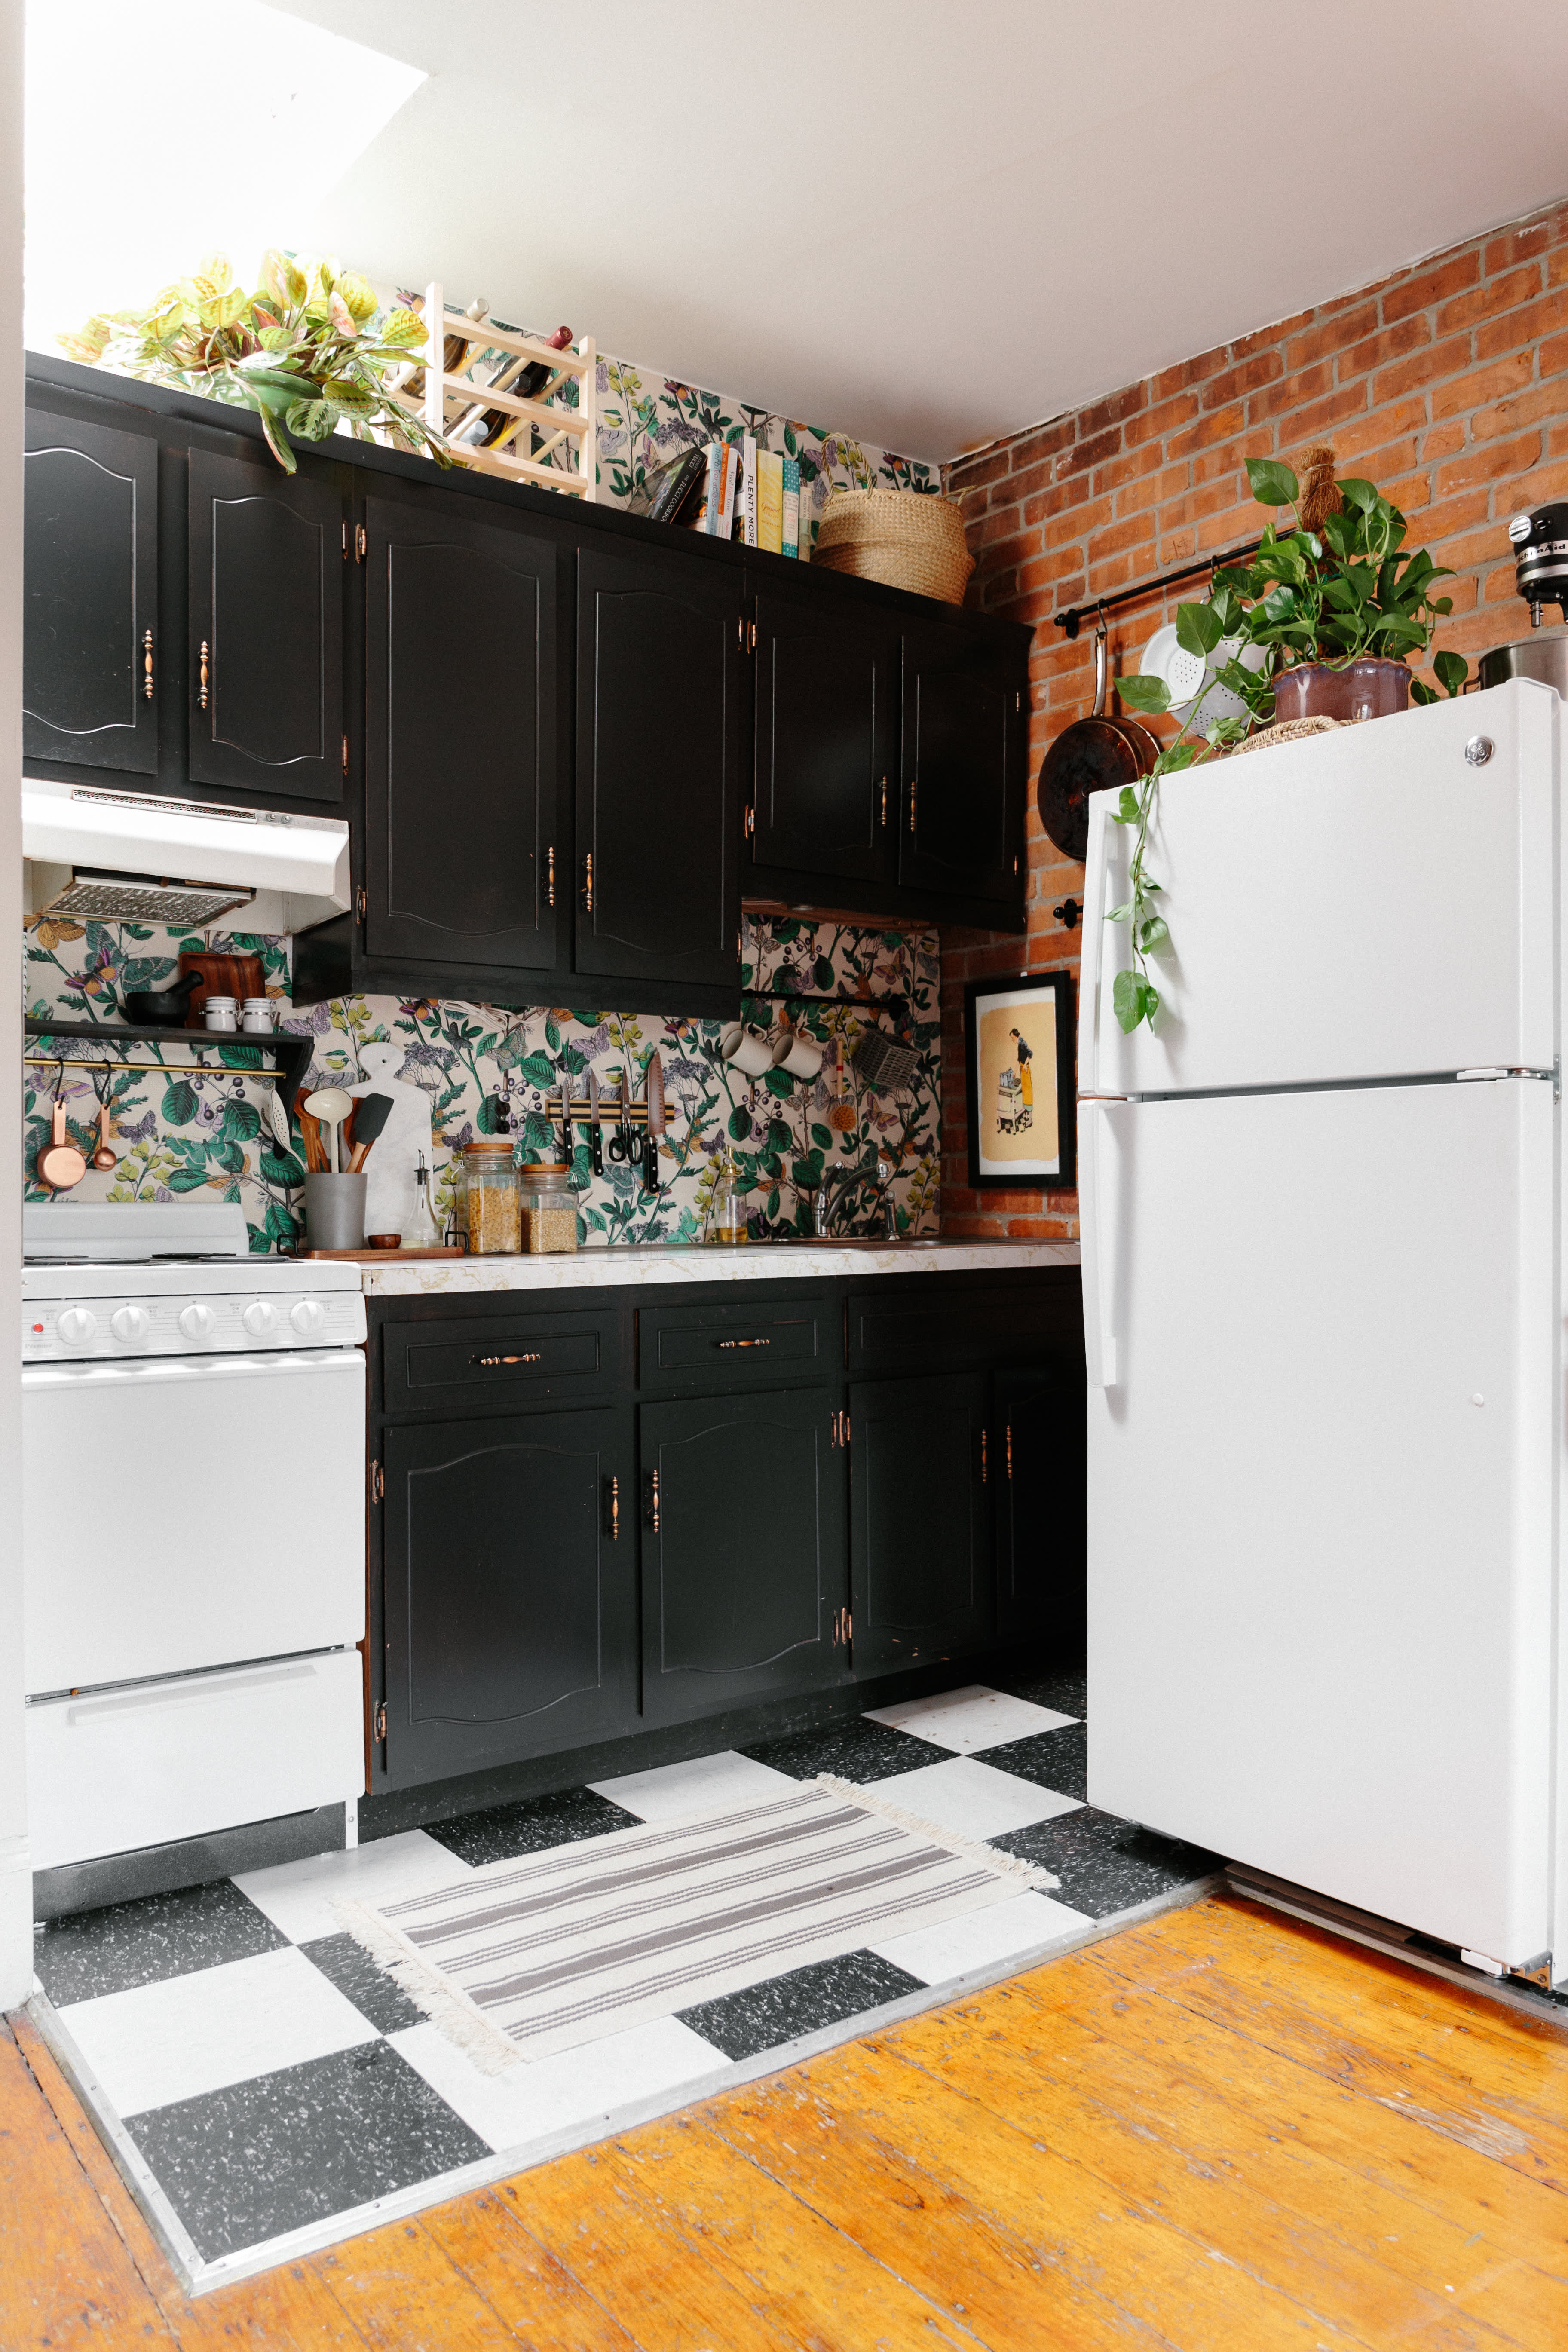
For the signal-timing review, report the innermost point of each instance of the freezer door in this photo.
(1367, 904)
(1321, 1478)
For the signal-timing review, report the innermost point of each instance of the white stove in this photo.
(191, 1654)
(172, 1279)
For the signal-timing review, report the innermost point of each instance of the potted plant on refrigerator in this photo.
(1329, 612)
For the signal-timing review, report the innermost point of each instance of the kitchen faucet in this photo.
(836, 1187)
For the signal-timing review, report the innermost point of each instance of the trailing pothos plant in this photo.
(300, 351)
(1334, 588)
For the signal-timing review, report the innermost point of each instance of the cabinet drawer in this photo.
(737, 1344)
(512, 1358)
(925, 1326)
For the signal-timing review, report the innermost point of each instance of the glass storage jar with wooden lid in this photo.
(491, 1197)
(549, 1207)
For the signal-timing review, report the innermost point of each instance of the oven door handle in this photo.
(93, 1372)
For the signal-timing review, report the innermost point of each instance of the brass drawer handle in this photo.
(534, 1357)
(653, 1502)
(742, 1343)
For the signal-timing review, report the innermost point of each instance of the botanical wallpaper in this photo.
(179, 1133)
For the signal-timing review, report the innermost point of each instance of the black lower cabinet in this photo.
(1039, 1417)
(743, 1582)
(509, 1590)
(921, 1464)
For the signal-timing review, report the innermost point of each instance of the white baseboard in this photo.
(15, 1921)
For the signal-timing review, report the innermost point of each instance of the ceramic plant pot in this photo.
(1372, 688)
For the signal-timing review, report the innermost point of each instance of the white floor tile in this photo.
(157, 2042)
(981, 1939)
(707, 1781)
(971, 1718)
(298, 1896)
(972, 1798)
(542, 2095)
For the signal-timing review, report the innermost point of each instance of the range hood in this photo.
(92, 852)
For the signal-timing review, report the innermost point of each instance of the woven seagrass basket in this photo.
(905, 539)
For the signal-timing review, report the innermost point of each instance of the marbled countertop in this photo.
(591, 1269)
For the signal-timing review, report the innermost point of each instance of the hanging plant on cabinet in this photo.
(302, 352)
(1334, 590)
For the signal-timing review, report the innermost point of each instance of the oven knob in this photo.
(76, 1323)
(258, 1317)
(131, 1322)
(307, 1315)
(196, 1322)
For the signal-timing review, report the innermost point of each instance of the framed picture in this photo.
(1017, 1052)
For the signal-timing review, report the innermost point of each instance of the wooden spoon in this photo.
(330, 1106)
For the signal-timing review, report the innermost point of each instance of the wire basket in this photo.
(905, 539)
(880, 1063)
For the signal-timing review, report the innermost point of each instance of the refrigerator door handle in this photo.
(1093, 943)
(1098, 1342)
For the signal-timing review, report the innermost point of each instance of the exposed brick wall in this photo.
(1446, 384)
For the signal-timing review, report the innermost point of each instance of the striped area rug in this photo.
(520, 1958)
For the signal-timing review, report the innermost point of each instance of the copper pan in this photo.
(1097, 754)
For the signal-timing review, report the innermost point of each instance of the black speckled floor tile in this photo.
(1106, 1864)
(1064, 1689)
(1051, 1759)
(855, 1750)
(371, 1990)
(95, 1952)
(500, 1833)
(781, 2009)
(258, 2158)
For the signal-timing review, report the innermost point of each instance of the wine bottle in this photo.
(455, 350)
(524, 377)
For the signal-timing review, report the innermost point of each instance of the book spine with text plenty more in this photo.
(769, 500)
(749, 490)
(791, 541)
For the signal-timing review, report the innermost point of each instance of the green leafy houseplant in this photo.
(1334, 589)
(300, 351)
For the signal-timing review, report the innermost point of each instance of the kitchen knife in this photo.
(655, 1135)
(596, 1126)
(566, 1110)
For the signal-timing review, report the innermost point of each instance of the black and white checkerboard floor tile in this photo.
(269, 2078)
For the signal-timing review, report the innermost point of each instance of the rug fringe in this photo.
(1001, 1866)
(442, 2002)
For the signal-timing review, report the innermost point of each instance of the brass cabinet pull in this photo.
(984, 1466)
(588, 882)
(914, 804)
(534, 1356)
(615, 1510)
(202, 697)
(884, 804)
(1007, 1434)
(653, 1502)
(742, 1343)
(147, 664)
(550, 876)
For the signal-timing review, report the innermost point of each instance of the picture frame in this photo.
(1019, 1074)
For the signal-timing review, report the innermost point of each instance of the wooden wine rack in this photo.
(567, 459)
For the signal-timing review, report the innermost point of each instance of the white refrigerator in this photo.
(1321, 1212)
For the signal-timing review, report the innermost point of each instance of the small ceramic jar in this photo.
(257, 1018)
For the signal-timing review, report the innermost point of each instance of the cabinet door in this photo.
(965, 755)
(89, 557)
(510, 1602)
(826, 785)
(1040, 1555)
(265, 628)
(658, 886)
(743, 1550)
(461, 701)
(920, 1470)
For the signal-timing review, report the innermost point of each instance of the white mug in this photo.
(744, 1049)
(800, 1056)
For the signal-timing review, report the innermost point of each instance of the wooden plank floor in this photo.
(1221, 2129)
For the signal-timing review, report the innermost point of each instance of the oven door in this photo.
(183, 1512)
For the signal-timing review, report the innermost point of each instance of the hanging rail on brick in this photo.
(451, 402)
(1072, 620)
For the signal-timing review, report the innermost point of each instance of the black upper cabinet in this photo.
(90, 638)
(657, 886)
(920, 1473)
(825, 775)
(510, 1593)
(965, 758)
(461, 745)
(265, 646)
(742, 1557)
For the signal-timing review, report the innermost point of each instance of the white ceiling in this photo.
(920, 222)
